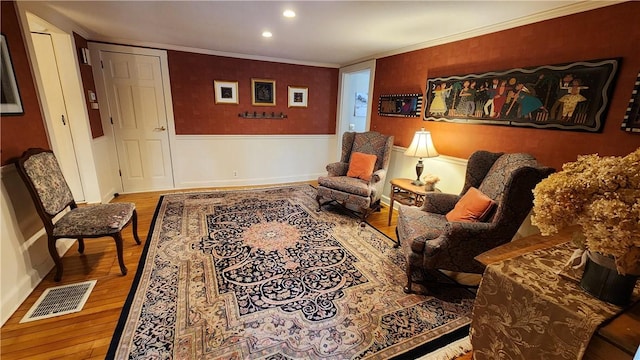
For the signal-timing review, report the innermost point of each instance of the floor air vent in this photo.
(60, 300)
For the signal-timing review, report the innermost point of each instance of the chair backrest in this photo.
(43, 177)
(478, 165)
(510, 182)
(369, 142)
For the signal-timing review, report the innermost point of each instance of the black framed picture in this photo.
(631, 121)
(572, 96)
(404, 105)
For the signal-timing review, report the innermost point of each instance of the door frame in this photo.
(71, 83)
(342, 123)
(56, 109)
(95, 50)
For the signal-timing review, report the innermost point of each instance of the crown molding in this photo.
(570, 9)
(159, 46)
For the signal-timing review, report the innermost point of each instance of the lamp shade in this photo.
(422, 145)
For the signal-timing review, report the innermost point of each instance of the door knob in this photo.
(161, 128)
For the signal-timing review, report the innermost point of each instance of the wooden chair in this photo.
(51, 194)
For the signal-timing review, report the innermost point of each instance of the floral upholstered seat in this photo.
(51, 194)
(352, 192)
(430, 241)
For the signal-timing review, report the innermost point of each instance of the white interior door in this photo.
(355, 89)
(61, 139)
(138, 112)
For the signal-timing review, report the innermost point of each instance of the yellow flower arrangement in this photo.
(602, 196)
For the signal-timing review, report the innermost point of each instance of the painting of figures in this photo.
(571, 96)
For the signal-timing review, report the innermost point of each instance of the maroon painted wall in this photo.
(88, 84)
(20, 132)
(196, 112)
(608, 32)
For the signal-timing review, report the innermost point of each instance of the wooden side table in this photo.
(404, 192)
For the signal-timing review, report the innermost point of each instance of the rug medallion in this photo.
(260, 274)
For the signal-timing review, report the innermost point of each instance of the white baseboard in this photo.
(248, 182)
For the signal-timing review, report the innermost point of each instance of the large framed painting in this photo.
(572, 96)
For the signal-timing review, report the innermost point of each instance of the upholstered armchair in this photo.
(498, 188)
(358, 191)
(52, 196)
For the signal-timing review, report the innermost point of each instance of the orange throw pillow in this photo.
(361, 165)
(473, 206)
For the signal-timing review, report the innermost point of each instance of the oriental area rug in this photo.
(260, 274)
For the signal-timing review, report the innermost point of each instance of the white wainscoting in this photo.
(450, 170)
(230, 160)
(199, 161)
(24, 257)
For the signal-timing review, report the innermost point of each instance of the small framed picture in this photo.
(226, 92)
(298, 96)
(263, 92)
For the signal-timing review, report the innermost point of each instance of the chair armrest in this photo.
(337, 169)
(376, 184)
(456, 233)
(378, 176)
(439, 203)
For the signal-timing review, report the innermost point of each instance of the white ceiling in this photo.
(328, 33)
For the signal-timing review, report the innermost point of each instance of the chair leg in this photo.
(56, 258)
(119, 248)
(81, 245)
(364, 214)
(318, 198)
(378, 207)
(409, 272)
(134, 226)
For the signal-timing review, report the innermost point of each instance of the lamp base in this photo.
(419, 168)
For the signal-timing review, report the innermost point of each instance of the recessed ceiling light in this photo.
(289, 13)
(267, 34)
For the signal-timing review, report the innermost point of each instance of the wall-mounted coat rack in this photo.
(262, 115)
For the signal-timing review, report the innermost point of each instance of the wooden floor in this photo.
(87, 334)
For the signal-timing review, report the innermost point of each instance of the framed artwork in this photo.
(405, 105)
(631, 121)
(298, 96)
(263, 92)
(361, 103)
(572, 96)
(11, 103)
(226, 92)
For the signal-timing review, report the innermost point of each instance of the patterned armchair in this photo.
(354, 193)
(43, 177)
(430, 241)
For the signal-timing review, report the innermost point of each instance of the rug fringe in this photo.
(451, 351)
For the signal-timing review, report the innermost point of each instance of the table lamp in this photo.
(421, 147)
